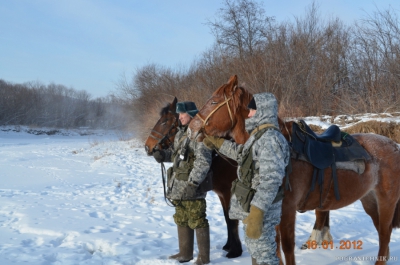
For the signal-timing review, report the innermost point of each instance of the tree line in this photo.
(313, 65)
(53, 105)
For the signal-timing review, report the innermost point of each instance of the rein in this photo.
(163, 173)
(226, 101)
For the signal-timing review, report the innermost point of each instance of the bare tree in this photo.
(241, 27)
(376, 61)
(314, 65)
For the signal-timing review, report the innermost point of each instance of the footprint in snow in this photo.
(99, 215)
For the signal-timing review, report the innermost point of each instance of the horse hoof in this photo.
(233, 254)
(226, 248)
(304, 246)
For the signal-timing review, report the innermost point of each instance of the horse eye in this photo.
(214, 103)
(163, 123)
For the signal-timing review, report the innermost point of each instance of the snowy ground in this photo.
(94, 199)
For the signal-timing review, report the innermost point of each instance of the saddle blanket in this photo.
(357, 166)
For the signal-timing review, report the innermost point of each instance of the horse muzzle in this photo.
(148, 151)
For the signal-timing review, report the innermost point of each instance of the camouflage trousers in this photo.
(191, 213)
(263, 249)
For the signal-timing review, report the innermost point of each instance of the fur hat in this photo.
(187, 107)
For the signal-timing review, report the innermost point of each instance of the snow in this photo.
(68, 199)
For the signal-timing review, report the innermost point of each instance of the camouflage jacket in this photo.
(191, 163)
(270, 155)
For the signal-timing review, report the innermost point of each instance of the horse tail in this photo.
(396, 216)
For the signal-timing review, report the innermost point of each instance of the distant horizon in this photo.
(50, 83)
(62, 42)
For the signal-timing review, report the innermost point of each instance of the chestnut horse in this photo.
(378, 187)
(224, 171)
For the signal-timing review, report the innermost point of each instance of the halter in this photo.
(226, 101)
(163, 137)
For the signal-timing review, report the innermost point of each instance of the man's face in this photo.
(252, 112)
(184, 118)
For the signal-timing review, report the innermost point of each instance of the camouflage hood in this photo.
(267, 111)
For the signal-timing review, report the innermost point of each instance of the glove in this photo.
(159, 155)
(254, 222)
(213, 142)
(190, 190)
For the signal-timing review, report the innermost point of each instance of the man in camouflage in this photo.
(186, 189)
(254, 193)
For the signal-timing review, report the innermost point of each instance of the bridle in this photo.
(162, 137)
(165, 145)
(226, 101)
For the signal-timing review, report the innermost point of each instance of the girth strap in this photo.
(318, 176)
(335, 181)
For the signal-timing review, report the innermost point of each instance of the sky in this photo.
(91, 44)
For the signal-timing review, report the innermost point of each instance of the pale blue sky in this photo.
(90, 44)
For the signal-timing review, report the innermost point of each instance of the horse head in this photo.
(224, 112)
(163, 133)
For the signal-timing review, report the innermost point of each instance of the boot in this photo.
(203, 243)
(185, 238)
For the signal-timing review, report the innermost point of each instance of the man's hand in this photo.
(254, 222)
(213, 142)
(159, 155)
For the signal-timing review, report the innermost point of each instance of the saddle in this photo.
(324, 150)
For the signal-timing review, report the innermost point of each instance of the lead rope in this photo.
(167, 200)
(225, 158)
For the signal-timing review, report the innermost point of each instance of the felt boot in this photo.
(186, 240)
(203, 243)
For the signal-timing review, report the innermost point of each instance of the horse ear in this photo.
(233, 80)
(173, 105)
(233, 83)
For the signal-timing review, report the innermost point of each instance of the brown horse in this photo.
(378, 187)
(233, 100)
(224, 171)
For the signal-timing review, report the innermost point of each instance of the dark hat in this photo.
(252, 104)
(187, 107)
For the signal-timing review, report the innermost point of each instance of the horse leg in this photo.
(385, 230)
(224, 173)
(381, 214)
(233, 245)
(371, 208)
(287, 229)
(321, 231)
(278, 244)
(326, 230)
